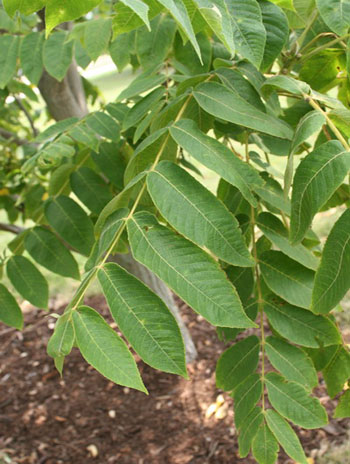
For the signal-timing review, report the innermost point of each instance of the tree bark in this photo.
(66, 99)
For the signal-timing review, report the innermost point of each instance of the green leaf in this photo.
(308, 125)
(272, 194)
(277, 31)
(249, 429)
(286, 436)
(336, 14)
(10, 312)
(31, 54)
(343, 408)
(337, 371)
(71, 222)
(119, 201)
(58, 12)
(178, 11)
(188, 270)
(301, 326)
(103, 125)
(62, 340)
(110, 229)
(91, 189)
(26, 7)
(275, 231)
(219, 21)
(246, 396)
(237, 363)
(186, 59)
(287, 4)
(120, 50)
(243, 280)
(332, 279)
(287, 278)
(248, 30)
(97, 33)
(222, 103)
(320, 71)
(158, 143)
(292, 362)
(111, 163)
(9, 44)
(153, 46)
(292, 401)
(214, 155)
(235, 81)
(250, 306)
(45, 248)
(316, 179)
(104, 349)
(141, 108)
(57, 54)
(141, 84)
(286, 83)
(140, 8)
(81, 133)
(203, 219)
(265, 446)
(28, 281)
(144, 320)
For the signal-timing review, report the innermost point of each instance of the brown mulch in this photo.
(48, 420)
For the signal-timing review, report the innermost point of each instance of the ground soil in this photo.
(83, 418)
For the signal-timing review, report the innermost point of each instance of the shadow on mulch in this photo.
(48, 420)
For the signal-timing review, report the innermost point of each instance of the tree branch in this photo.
(28, 116)
(11, 228)
(13, 137)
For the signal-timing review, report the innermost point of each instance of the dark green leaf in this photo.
(204, 219)
(265, 446)
(316, 179)
(246, 396)
(144, 320)
(222, 103)
(292, 362)
(31, 54)
(10, 312)
(9, 45)
(214, 155)
(47, 250)
(337, 371)
(62, 340)
(332, 279)
(28, 281)
(91, 189)
(301, 326)
(249, 430)
(343, 408)
(275, 231)
(277, 30)
(286, 436)
(57, 54)
(71, 222)
(237, 363)
(104, 349)
(188, 270)
(287, 278)
(292, 401)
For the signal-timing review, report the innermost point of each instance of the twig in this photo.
(12, 137)
(28, 116)
(11, 228)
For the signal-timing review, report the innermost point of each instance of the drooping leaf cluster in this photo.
(256, 92)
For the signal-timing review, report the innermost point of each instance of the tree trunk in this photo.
(67, 99)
